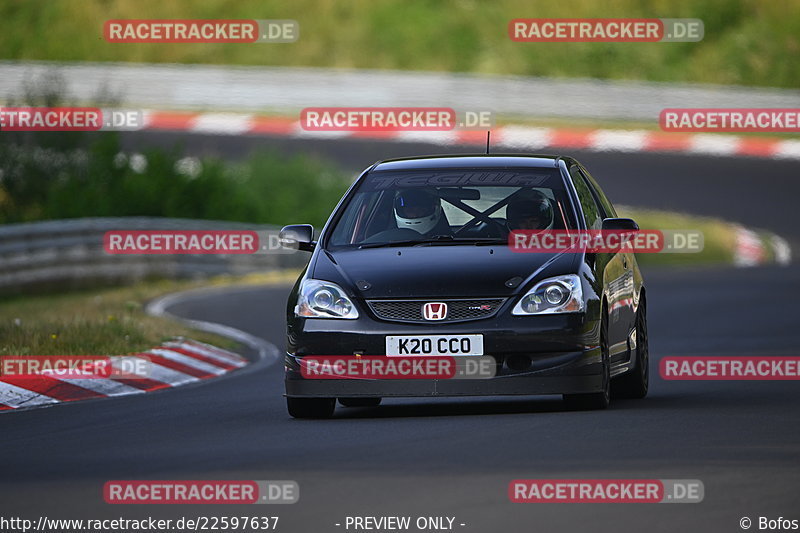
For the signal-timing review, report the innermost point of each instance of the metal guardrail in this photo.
(70, 253)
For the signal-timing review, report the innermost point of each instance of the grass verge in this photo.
(719, 237)
(746, 42)
(104, 321)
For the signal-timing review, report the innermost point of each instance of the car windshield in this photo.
(451, 207)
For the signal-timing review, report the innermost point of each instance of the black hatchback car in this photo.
(418, 251)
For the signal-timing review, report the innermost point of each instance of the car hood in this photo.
(438, 271)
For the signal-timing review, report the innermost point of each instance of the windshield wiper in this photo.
(409, 242)
(438, 239)
(484, 240)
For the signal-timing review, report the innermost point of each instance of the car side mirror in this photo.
(298, 237)
(620, 224)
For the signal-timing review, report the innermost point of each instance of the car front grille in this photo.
(457, 310)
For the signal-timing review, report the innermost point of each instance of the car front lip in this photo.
(497, 386)
(563, 359)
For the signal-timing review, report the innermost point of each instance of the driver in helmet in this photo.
(529, 210)
(420, 210)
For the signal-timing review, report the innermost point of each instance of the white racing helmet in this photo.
(417, 209)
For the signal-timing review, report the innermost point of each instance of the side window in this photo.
(591, 211)
(602, 199)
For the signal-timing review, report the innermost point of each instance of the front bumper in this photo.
(504, 385)
(555, 354)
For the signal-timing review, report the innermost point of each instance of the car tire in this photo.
(635, 382)
(360, 402)
(596, 400)
(311, 407)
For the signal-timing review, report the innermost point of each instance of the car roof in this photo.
(470, 161)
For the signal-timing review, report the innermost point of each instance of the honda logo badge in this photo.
(434, 311)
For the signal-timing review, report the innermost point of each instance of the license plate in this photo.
(408, 345)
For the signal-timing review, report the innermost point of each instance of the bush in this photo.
(60, 175)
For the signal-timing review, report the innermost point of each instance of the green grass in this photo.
(747, 42)
(103, 321)
(719, 237)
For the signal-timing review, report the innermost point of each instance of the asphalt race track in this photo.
(448, 457)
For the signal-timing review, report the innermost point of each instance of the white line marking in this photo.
(211, 354)
(299, 132)
(523, 137)
(433, 137)
(154, 371)
(782, 250)
(191, 343)
(106, 387)
(618, 140)
(222, 123)
(749, 248)
(18, 397)
(713, 144)
(159, 308)
(188, 361)
(788, 150)
(147, 119)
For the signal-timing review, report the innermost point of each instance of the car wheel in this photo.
(311, 407)
(635, 382)
(360, 402)
(596, 400)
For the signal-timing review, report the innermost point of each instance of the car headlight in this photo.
(323, 299)
(562, 294)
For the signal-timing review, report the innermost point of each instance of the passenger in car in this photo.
(529, 210)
